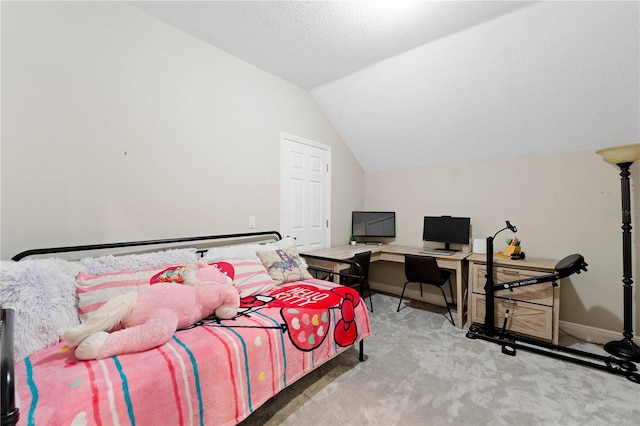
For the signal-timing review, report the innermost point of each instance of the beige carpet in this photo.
(420, 370)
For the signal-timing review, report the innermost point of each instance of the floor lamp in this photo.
(624, 156)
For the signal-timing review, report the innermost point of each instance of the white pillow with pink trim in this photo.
(248, 275)
(94, 290)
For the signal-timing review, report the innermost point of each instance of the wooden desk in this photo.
(395, 253)
(534, 309)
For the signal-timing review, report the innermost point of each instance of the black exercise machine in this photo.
(573, 264)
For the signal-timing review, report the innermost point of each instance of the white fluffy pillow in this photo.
(139, 261)
(42, 292)
(245, 251)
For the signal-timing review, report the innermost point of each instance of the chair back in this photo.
(363, 259)
(422, 269)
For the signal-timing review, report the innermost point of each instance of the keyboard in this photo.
(437, 252)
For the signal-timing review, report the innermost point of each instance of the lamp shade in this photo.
(621, 154)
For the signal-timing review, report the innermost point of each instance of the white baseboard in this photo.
(592, 334)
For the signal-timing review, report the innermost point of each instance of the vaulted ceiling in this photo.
(420, 83)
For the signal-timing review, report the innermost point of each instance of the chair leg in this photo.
(447, 305)
(402, 295)
(453, 299)
(370, 299)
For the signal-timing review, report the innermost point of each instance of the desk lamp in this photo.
(623, 156)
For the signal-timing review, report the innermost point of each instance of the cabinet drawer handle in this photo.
(506, 303)
(510, 272)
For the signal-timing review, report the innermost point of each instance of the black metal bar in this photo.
(10, 414)
(625, 349)
(527, 281)
(489, 321)
(610, 364)
(89, 247)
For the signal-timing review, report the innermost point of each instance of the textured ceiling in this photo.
(309, 43)
(413, 84)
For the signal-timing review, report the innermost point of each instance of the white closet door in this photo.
(305, 181)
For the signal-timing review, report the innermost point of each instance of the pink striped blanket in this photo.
(215, 373)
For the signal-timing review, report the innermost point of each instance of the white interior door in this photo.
(305, 181)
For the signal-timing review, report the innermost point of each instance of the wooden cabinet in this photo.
(534, 309)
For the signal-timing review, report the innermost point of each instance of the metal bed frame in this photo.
(9, 412)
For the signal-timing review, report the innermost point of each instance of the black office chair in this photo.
(363, 259)
(425, 270)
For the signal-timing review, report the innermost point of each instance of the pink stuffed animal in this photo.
(135, 322)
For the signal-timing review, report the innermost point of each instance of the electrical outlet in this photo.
(252, 222)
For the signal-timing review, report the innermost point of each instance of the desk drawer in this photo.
(524, 318)
(539, 293)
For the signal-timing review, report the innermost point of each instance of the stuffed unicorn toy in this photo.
(135, 322)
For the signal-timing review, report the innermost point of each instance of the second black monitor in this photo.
(446, 229)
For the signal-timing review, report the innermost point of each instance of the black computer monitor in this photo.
(446, 229)
(373, 224)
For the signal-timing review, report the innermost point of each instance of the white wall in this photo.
(117, 127)
(561, 204)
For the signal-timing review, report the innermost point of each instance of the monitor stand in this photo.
(446, 248)
(374, 243)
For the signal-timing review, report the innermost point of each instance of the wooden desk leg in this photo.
(336, 270)
(459, 296)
